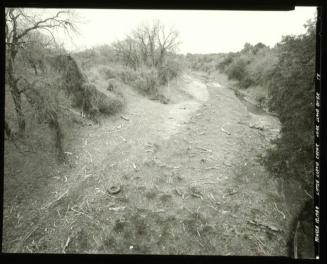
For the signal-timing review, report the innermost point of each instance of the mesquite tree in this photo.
(20, 25)
(147, 45)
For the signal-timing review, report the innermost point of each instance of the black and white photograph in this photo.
(159, 132)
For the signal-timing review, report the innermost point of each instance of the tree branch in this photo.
(42, 24)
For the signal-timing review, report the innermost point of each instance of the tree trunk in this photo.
(54, 124)
(15, 93)
(18, 107)
(8, 131)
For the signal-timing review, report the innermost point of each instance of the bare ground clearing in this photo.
(190, 178)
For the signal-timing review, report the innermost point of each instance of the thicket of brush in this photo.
(147, 80)
(208, 63)
(52, 85)
(281, 79)
(84, 95)
(285, 77)
(148, 58)
(291, 90)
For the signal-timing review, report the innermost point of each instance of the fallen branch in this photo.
(134, 166)
(270, 227)
(209, 182)
(89, 155)
(70, 110)
(197, 195)
(125, 118)
(204, 149)
(80, 212)
(117, 208)
(54, 201)
(178, 192)
(212, 197)
(111, 195)
(261, 245)
(230, 193)
(197, 230)
(279, 211)
(227, 164)
(20, 244)
(159, 211)
(202, 179)
(124, 139)
(149, 150)
(213, 207)
(225, 131)
(66, 244)
(212, 168)
(308, 194)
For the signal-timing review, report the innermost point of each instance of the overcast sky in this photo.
(200, 31)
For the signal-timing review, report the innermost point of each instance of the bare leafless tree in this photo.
(128, 52)
(20, 24)
(148, 44)
(167, 42)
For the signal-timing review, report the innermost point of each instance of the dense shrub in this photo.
(108, 72)
(262, 66)
(83, 94)
(292, 98)
(147, 81)
(252, 66)
(127, 75)
(285, 76)
(113, 85)
(226, 60)
(99, 55)
(237, 70)
(145, 59)
(204, 62)
(169, 70)
(108, 104)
